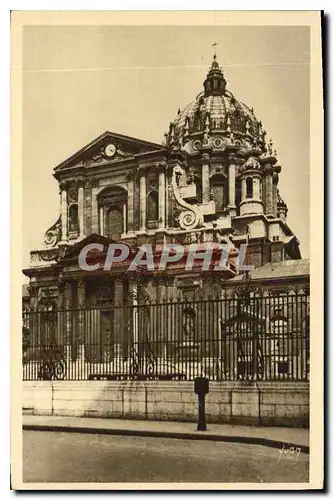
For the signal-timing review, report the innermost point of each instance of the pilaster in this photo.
(162, 195)
(268, 179)
(243, 189)
(162, 314)
(95, 213)
(60, 315)
(256, 187)
(275, 183)
(205, 178)
(88, 208)
(81, 299)
(63, 210)
(68, 324)
(81, 209)
(130, 207)
(231, 187)
(120, 313)
(101, 221)
(142, 200)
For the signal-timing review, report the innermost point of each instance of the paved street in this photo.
(73, 457)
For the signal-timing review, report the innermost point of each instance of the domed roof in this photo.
(219, 107)
(217, 111)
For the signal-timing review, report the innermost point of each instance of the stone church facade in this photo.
(214, 179)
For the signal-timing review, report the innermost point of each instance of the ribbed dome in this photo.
(216, 111)
(219, 107)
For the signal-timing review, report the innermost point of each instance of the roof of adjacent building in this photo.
(284, 269)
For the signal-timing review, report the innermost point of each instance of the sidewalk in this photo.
(274, 437)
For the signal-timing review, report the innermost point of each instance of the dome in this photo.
(216, 112)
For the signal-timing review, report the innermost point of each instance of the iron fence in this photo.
(238, 336)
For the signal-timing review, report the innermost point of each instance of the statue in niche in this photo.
(178, 175)
(188, 323)
(191, 178)
(206, 137)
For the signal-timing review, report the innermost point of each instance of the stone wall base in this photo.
(247, 403)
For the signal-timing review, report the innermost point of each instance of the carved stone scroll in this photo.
(191, 217)
(53, 234)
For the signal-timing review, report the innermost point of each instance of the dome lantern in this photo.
(215, 83)
(216, 113)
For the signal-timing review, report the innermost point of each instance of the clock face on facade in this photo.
(110, 150)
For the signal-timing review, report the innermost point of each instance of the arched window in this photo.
(249, 187)
(112, 208)
(73, 225)
(197, 120)
(152, 200)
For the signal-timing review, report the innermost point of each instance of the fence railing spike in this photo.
(149, 341)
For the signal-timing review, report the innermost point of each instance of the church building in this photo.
(214, 179)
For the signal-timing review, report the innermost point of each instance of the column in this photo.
(256, 188)
(131, 337)
(275, 182)
(33, 316)
(130, 203)
(142, 195)
(162, 313)
(101, 221)
(81, 209)
(243, 189)
(162, 198)
(63, 208)
(68, 327)
(269, 190)
(95, 213)
(205, 178)
(231, 187)
(81, 297)
(60, 314)
(120, 320)
(124, 218)
(88, 208)
(168, 189)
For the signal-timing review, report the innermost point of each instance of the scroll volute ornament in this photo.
(72, 195)
(53, 234)
(191, 217)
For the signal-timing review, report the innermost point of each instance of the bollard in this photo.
(201, 389)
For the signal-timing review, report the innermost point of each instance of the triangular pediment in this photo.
(73, 251)
(109, 147)
(246, 315)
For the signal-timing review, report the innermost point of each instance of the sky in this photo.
(79, 81)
